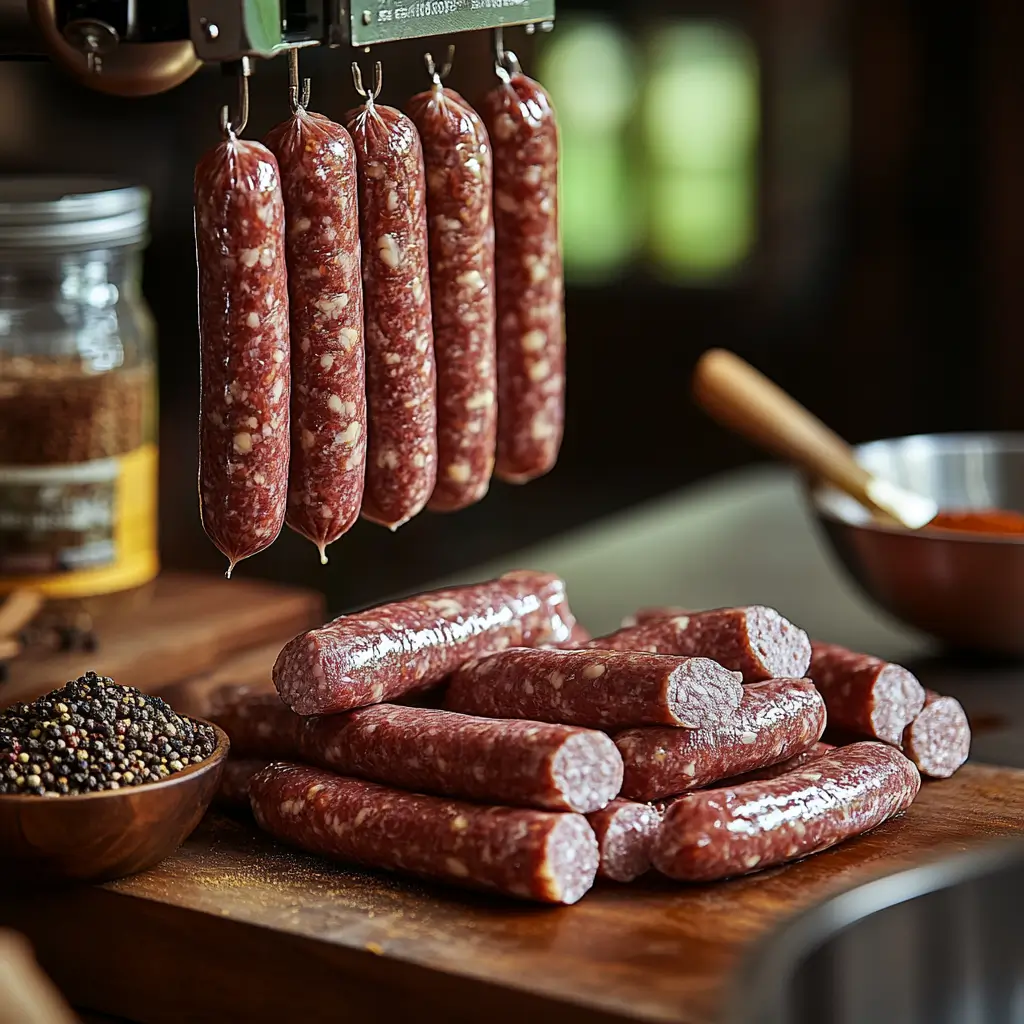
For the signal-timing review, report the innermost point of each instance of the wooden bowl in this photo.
(99, 836)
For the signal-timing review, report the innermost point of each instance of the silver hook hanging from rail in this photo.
(233, 128)
(506, 63)
(437, 75)
(357, 81)
(296, 101)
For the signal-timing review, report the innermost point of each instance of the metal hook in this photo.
(506, 63)
(436, 75)
(296, 101)
(357, 80)
(232, 128)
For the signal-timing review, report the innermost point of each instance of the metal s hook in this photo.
(506, 63)
(296, 101)
(437, 75)
(230, 128)
(357, 81)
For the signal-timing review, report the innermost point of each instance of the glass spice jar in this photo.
(78, 453)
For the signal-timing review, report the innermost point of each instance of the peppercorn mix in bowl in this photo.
(99, 780)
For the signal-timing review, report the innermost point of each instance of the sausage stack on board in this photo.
(866, 698)
(425, 337)
(552, 763)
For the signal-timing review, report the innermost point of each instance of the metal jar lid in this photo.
(56, 214)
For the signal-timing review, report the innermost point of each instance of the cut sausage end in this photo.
(938, 741)
(702, 693)
(529, 854)
(571, 859)
(898, 700)
(783, 649)
(299, 678)
(587, 771)
(626, 832)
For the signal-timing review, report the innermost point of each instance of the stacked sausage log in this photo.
(475, 736)
(380, 315)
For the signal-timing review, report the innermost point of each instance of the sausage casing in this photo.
(328, 434)
(401, 457)
(528, 273)
(523, 764)
(457, 155)
(756, 641)
(535, 855)
(595, 689)
(244, 349)
(774, 721)
(718, 833)
(394, 650)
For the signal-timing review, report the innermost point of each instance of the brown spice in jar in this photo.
(52, 413)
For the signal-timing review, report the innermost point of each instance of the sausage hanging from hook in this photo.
(228, 127)
(506, 63)
(438, 75)
(357, 81)
(296, 101)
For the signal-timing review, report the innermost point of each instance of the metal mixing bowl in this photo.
(964, 589)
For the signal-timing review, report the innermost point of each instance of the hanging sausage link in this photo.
(457, 155)
(328, 436)
(528, 266)
(401, 465)
(243, 330)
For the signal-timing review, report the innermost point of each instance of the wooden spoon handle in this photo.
(739, 397)
(17, 610)
(27, 996)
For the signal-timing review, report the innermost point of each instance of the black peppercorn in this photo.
(93, 734)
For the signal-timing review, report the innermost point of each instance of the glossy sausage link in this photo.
(385, 653)
(244, 348)
(718, 833)
(328, 437)
(755, 641)
(774, 721)
(459, 192)
(534, 855)
(401, 461)
(528, 274)
(865, 696)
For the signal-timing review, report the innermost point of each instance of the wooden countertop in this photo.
(255, 932)
(236, 927)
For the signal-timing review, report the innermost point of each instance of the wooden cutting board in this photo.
(234, 927)
(188, 627)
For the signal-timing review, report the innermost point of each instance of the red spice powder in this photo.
(991, 521)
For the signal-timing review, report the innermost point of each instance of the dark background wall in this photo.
(881, 286)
